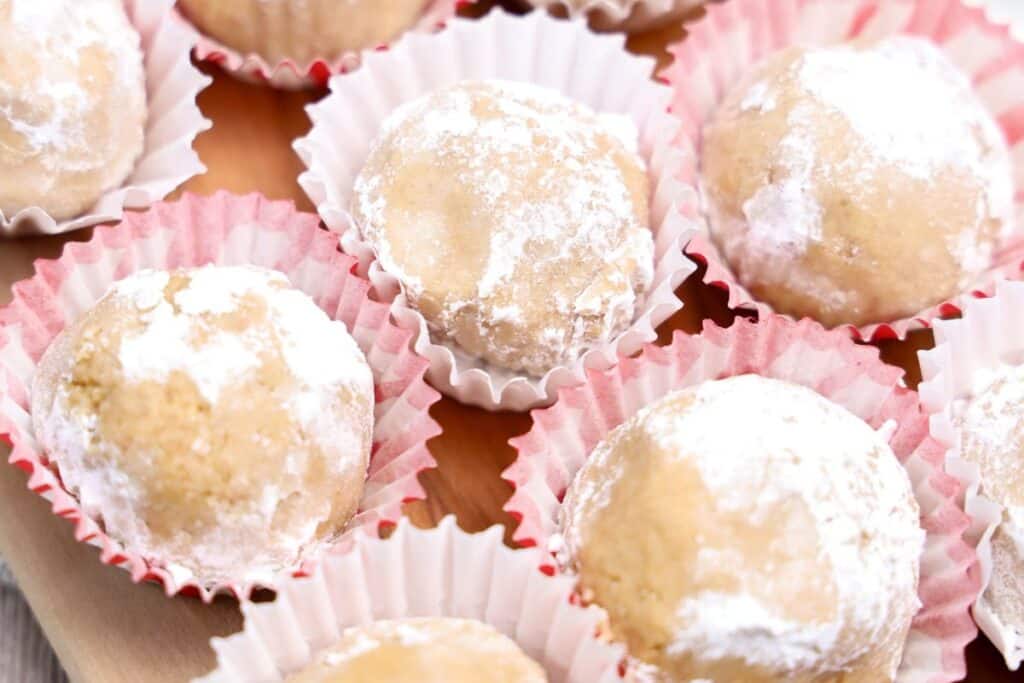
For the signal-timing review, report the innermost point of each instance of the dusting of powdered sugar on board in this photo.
(495, 150)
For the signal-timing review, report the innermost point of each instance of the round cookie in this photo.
(748, 529)
(303, 30)
(857, 183)
(992, 437)
(72, 103)
(426, 650)
(215, 420)
(515, 219)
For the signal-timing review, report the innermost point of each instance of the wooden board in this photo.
(107, 630)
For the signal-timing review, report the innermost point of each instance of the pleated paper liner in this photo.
(173, 122)
(441, 572)
(562, 55)
(562, 437)
(223, 230)
(291, 75)
(632, 16)
(991, 333)
(733, 36)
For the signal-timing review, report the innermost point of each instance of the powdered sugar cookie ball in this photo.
(515, 219)
(426, 650)
(748, 529)
(992, 437)
(303, 30)
(858, 183)
(214, 419)
(72, 103)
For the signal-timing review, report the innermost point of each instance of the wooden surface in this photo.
(107, 630)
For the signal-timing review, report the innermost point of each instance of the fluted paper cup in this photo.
(563, 436)
(990, 335)
(561, 55)
(223, 230)
(442, 572)
(289, 74)
(733, 36)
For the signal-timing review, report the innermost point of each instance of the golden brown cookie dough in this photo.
(748, 529)
(515, 219)
(72, 103)
(215, 419)
(303, 30)
(427, 650)
(858, 183)
(992, 437)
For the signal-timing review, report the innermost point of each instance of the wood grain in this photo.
(107, 630)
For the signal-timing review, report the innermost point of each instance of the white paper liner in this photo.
(990, 333)
(172, 123)
(852, 375)
(291, 75)
(562, 55)
(632, 16)
(732, 36)
(222, 229)
(441, 572)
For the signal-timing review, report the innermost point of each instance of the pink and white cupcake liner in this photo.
(174, 121)
(631, 16)
(990, 334)
(562, 55)
(224, 230)
(562, 437)
(735, 35)
(441, 572)
(291, 75)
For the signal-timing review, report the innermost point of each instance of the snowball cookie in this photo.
(515, 219)
(215, 419)
(427, 650)
(72, 103)
(857, 183)
(992, 437)
(303, 30)
(749, 530)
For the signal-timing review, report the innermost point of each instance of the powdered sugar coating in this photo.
(849, 157)
(72, 102)
(759, 444)
(911, 108)
(532, 245)
(195, 324)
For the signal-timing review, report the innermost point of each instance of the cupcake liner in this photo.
(990, 333)
(441, 572)
(562, 55)
(562, 437)
(173, 122)
(225, 230)
(291, 75)
(735, 35)
(631, 16)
